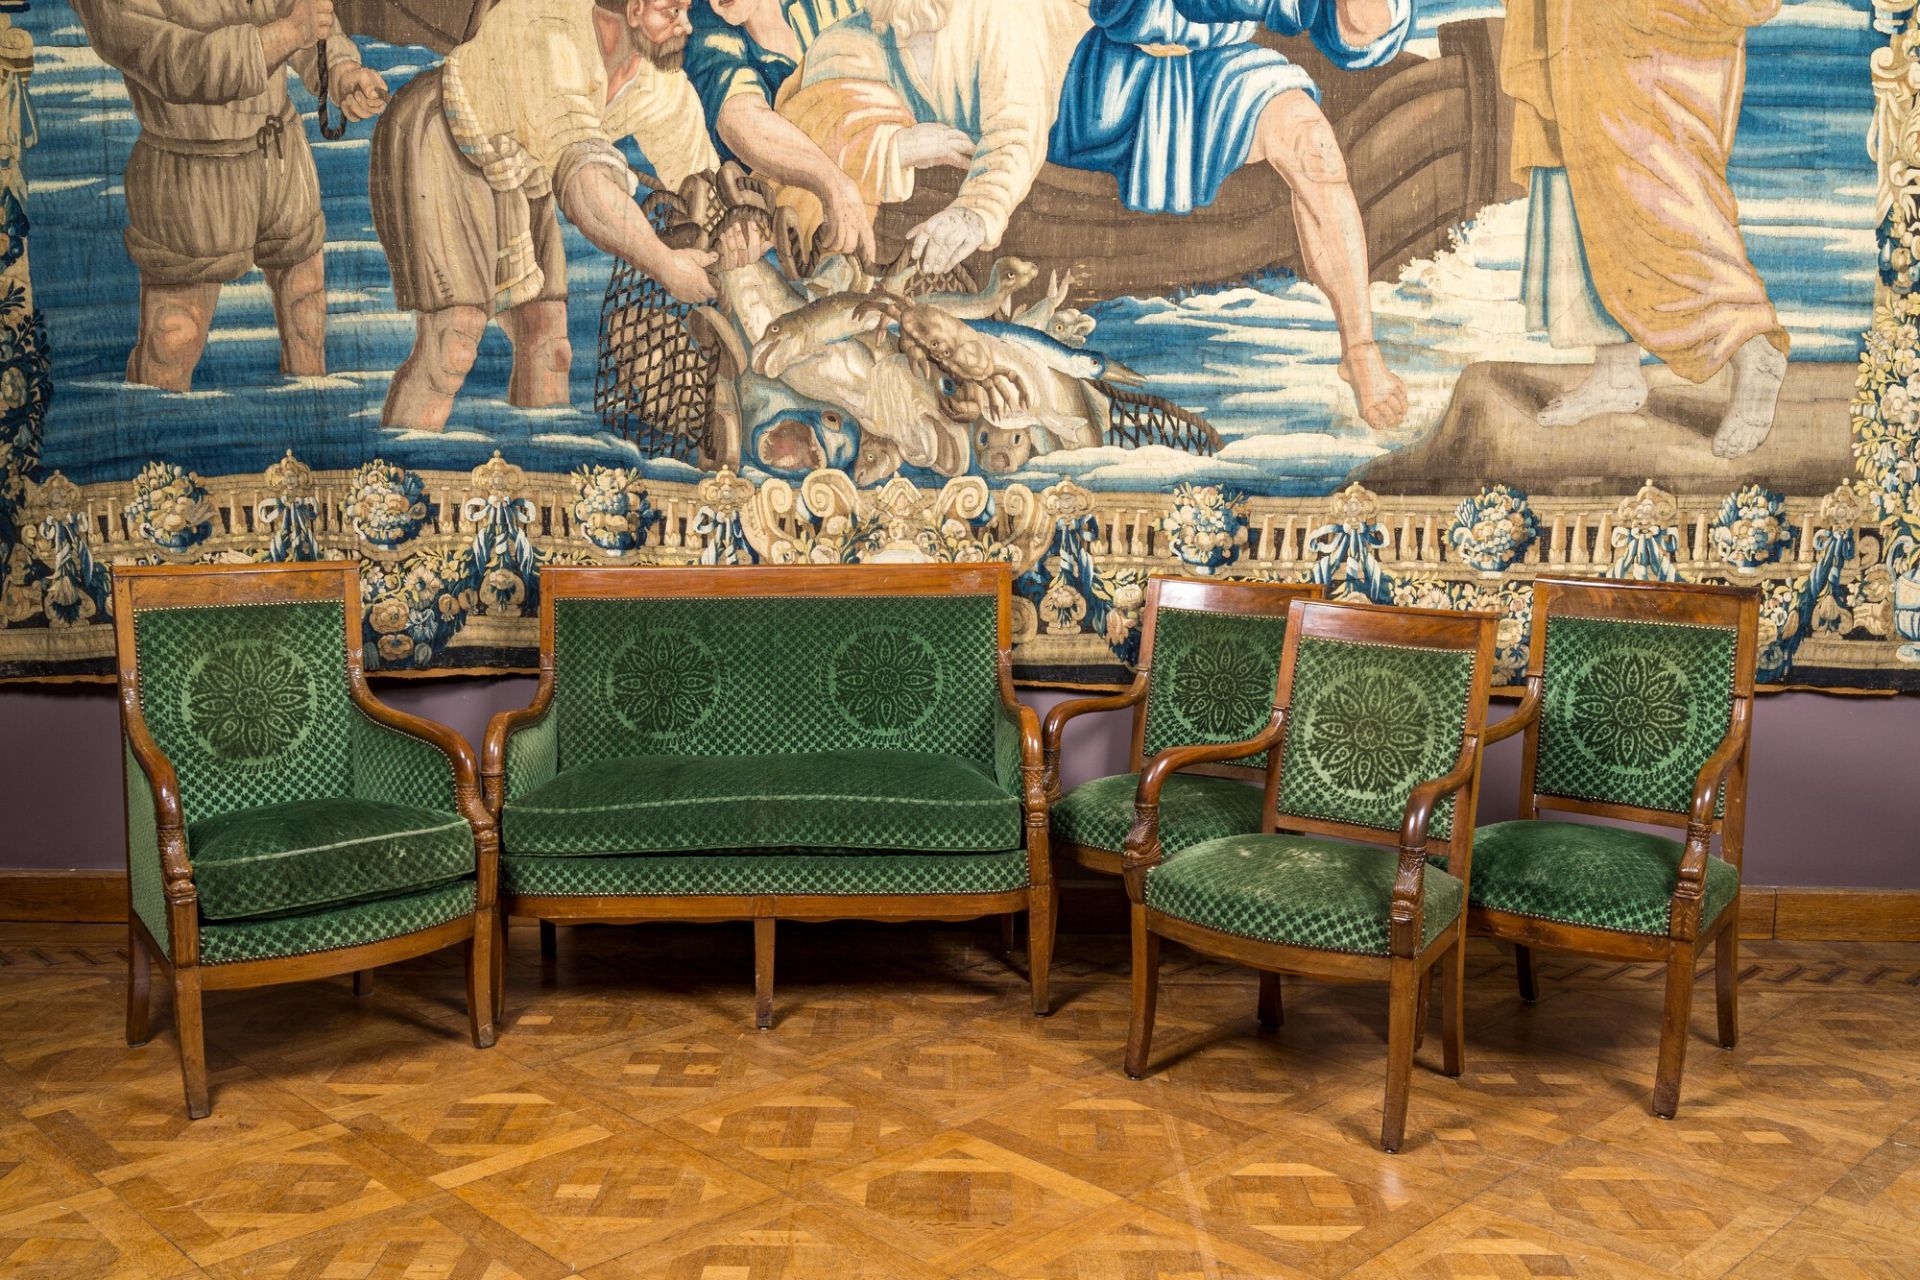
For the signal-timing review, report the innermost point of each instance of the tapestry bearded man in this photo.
(969, 83)
(1623, 124)
(474, 157)
(221, 180)
(1172, 96)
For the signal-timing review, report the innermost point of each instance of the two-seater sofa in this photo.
(765, 743)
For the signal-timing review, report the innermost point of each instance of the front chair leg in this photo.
(1146, 993)
(193, 1041)
(1523, 961)
(1403, 1008)
(1272, 1015)
(1726, 981)
(763, 972)
(139, 992)
(480, 971)
(1673, 1029)
(1042, 915)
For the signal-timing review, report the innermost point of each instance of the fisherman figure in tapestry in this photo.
(740, 54)
(1172, 96)
(221, 179)
(1624, 121)
(474, 158)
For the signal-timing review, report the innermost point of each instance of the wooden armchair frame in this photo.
(577, 582)
(1407, 968)
(1725, 768)
(138, 588)
(1270, 599)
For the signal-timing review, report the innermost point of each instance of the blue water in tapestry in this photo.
(1258, 360)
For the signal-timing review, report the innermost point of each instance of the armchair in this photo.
(283, 824)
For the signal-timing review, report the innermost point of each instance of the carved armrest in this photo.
(1523, 715)
(509, 768)
(1056, 724)
(1417, 818)
(1017, 740)
(394, 753)
(1142, 850)
(1689, 890)
(157, 836)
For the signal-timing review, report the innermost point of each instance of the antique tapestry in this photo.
(1418, 299)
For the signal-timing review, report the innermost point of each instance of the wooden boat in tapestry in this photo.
(1426, 141)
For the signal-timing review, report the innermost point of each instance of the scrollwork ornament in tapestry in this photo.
(823, 281)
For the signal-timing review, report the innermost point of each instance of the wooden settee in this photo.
(807, 743)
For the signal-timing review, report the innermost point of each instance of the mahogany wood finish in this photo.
(1407, 966)
(1724, 771)
(647, 582)
(1260, 599)
(141, 587)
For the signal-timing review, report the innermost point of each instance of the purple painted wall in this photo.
(1828, 773)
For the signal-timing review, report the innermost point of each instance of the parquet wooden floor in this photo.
(907, 1118)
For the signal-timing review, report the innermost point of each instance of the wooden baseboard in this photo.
(1093, 905)
(81, 897)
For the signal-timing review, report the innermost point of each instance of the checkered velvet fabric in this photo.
(394, 767)
(248, 701)
(745, 675)
(1193, 807)
(1602, 877)
(784, 872)
(533, 756)
(230, 942)
(1211, 679)
(1366, 724)
(145, 876)
(1630, 711)
(881, 800)
(1297, 891)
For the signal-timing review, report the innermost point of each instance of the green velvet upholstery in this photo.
(1211, 679)
(318, 853)
(230, 942)
(249, 702)
(1366, 724)
(749, 674)
(1193, 807)
(532, 756)
(847, 799)
(1630, 710)
(1604, 877)
(784, 872)
(394, 767)
(1298, 891)
(146, 879)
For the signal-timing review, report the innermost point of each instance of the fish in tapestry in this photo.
(1413, 298)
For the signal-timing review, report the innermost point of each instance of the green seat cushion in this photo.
(784, 872)
(1296, 890)
(1193, 807)
(862, 799)
(331, 928)
(1576, 873)
(279, 858)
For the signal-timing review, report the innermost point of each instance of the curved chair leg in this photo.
(1453, 999)
(1272, 1015)
(763, 972)
(1523, 961)
(1673, 1029)
(139, 990)
(1042, 915)
(549, 941)
(193, 1041)
(362, 982)
(1146, 993)
(1403, 1001)
(1726, 981)
(480, 969)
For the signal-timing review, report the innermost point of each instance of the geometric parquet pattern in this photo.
(907, 1118)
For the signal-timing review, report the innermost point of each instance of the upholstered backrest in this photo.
(249, 701)
(1631, 707)
(753, 674)
(1367, 721)
(1210, 670)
